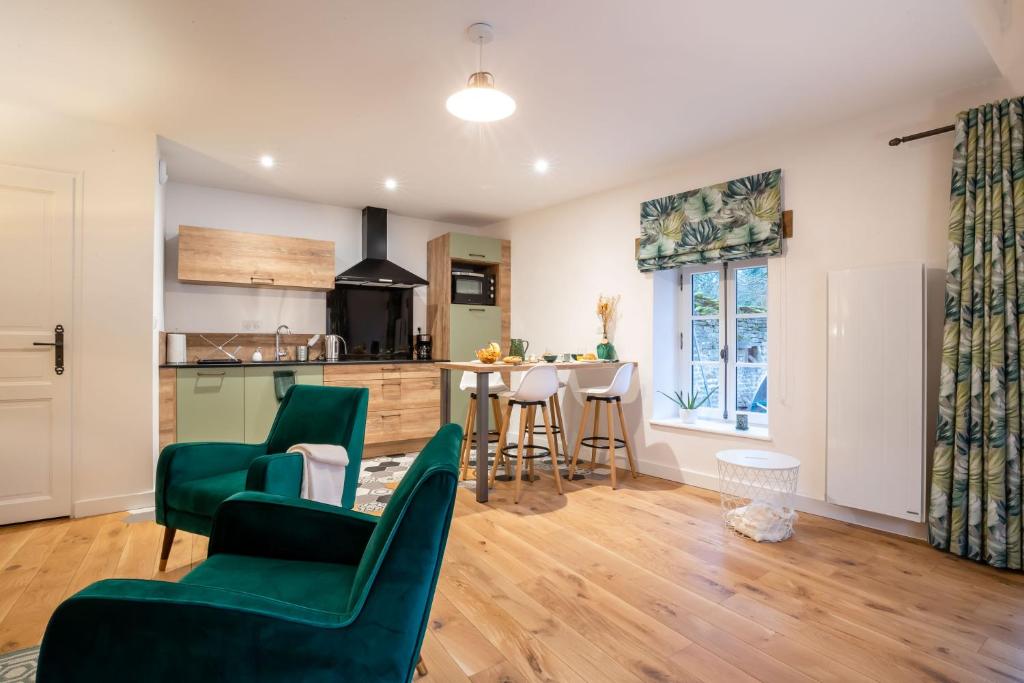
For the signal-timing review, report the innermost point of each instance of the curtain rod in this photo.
(917, 136)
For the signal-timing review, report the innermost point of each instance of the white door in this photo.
(36, 232)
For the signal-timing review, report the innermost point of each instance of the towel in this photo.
(283, 381)
(323, 471)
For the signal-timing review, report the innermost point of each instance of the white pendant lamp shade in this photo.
(480, 101)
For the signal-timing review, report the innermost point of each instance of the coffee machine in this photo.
(423, 345)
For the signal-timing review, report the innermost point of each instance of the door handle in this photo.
(58, 349)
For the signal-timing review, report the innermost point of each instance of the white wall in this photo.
(202, 308)
(111, 354)
(856, 201)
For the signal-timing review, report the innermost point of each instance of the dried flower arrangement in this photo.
(606, 306)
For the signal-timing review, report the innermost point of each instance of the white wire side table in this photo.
(757, 489)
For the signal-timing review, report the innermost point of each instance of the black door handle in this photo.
(58, 349)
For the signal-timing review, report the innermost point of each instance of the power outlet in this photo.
(250, 325)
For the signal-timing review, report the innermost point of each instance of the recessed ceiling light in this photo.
(390, 184)
(267, 161)
(541, 166)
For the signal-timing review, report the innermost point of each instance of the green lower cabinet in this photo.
(472, 327)
(261, 400)
(211, 404)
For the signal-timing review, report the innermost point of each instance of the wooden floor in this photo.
(639, 584)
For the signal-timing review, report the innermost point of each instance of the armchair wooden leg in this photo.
(579, 439)
(165, 549)
(421, 668)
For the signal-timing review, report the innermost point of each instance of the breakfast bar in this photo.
(482, 371)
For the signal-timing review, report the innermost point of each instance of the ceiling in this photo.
(344, 93)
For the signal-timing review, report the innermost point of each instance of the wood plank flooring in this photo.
(639, 584)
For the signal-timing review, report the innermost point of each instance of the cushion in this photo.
(202, 496)
(318, 585)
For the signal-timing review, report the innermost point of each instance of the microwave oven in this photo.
(470, 287)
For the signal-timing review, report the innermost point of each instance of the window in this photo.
(724, 339)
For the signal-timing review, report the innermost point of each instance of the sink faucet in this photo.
(280, 353)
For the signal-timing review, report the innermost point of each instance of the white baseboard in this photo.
(871, 520)
(102, 506)
(140, 515)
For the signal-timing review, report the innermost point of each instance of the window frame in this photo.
(727, 317)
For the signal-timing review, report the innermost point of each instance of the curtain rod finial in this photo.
(895, 141)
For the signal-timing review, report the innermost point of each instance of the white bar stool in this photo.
(495, 386)
(557, 424)
(607, 395)
(538, 385)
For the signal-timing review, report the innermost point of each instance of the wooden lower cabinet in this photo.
(168, 406)
(236, 404)
(405, 403)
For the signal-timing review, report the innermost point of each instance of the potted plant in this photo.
(687, 403)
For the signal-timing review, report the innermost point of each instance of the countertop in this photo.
(282, 363)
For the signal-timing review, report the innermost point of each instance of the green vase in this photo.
(605, 350)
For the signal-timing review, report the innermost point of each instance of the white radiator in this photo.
(876, 321)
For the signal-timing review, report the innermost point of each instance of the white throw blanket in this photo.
(323, 471)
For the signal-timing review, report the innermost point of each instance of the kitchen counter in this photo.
(282, 363)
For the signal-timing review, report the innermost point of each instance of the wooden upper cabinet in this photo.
(227, 257)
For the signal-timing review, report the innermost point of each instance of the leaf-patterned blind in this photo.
(738, 219)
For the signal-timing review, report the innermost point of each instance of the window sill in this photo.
(756, 432)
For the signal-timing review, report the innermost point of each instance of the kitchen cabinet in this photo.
(229, 257)
(239, 404)
(261, 402)
(472, 327)
(211, 404)
(474, 248)
(405, 403)
(168, 406)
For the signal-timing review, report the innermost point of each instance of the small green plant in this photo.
(685, 401)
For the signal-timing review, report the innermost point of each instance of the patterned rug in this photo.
(20, 666)
(378, 478)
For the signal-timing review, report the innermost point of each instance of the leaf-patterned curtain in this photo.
(975, 508)
(735, 220)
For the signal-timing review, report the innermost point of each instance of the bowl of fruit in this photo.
(489, 354)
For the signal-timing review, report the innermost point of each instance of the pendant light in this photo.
(480, 101)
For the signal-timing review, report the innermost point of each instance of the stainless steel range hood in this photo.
(375, 270)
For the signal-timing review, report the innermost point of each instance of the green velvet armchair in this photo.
(291, 591)
(192, 479)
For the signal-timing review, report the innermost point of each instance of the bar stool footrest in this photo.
(600, 442)
(533, 451)
(538, 430)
